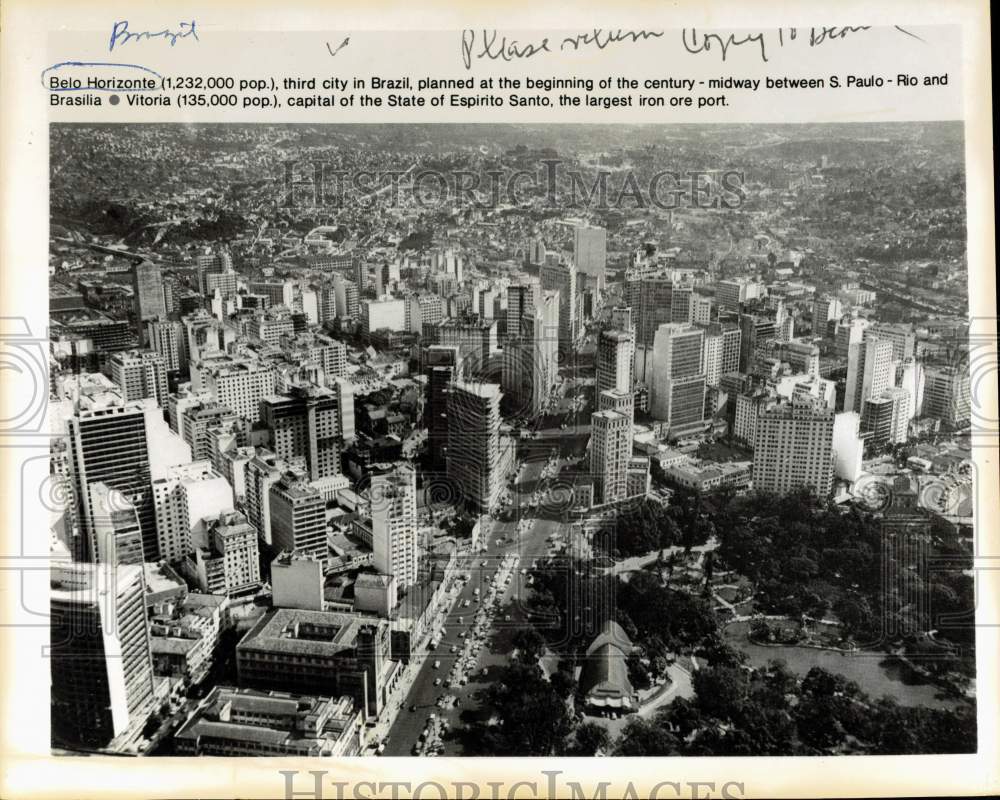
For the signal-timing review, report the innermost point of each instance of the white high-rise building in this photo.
(117, 532)
(870, 371)
(140, 374)
(910, 376)
(793, 448)
(902, 337)
(848, 334)
(948, 394)
(848, 447)
(385, 313)
(677, 391)
(190, 493)
(394, 524)
(239, 384)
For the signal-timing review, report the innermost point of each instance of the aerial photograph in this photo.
(510, 440)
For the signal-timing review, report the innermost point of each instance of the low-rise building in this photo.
(245, 722)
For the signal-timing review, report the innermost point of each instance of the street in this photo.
(523, 530)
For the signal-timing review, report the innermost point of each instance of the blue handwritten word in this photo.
(120, 34)
(71, 67)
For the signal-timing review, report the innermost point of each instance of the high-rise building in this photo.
(677, 391)
(757, 331)
(621, 319)
(793, 448)
(802, 357)
(306, 422)
(347, 297)
(590, 254)
(229, 561)
(261, 473)
(848, 446)
(423, 309)
(536, 251)
(610, 451)
(298, 516)
(240, 384)
(476, 340)
(712, 355)
(473, 459)
(531, 356)
(748, 408)
(196, 420)
(825, 309)
(701, 309)
(732, 292)
(109, 446)
(169, 339)
(268, 327)
(521, 301)
(886, 418)
(140, 374)
(847, 334)
(682, 304)
(147, 291)
(187, 495)
(651, 299)
(387, 313)
(615, 355)
(870, 371)
(101, 667)
(910, 376)
(117, 532)
(225, 283)
(562, 278)
(948, 394)
(327, 353)
(902, 337)
(394, 524)
(213, 264)
(441, 365)
(278, 293)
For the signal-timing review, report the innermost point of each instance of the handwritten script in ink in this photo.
(121, 35)
(492, 45)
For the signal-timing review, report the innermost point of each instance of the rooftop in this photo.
(298, 632)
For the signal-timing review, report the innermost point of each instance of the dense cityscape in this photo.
(510, 440)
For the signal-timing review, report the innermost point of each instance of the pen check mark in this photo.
(340, 46)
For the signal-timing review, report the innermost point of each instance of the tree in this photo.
(590, 739)
(645, 738)
(529, 643)
(818, 727)
(720, 690)
(638, 672)
(533, 718)
(563, 683)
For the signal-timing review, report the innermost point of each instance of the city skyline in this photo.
(384, 474)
